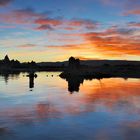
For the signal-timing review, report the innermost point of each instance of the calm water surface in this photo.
(49, 109)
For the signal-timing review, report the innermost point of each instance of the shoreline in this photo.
(85, 72)
(102, 72)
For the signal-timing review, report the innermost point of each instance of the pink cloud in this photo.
(27, 46)
(44, 27)
(89, 24)
(5, 2)
(48, 21)
(20, 16)
(72, 24)
(132, 12)
(43, 21)
(134, 24)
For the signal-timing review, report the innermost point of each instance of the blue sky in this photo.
(53, 30)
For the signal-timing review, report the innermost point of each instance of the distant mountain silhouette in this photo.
(74, 66)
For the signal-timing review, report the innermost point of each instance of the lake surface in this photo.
(51, 108)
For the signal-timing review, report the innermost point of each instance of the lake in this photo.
(51, 108)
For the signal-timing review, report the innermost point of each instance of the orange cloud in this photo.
(48, 21)
(118, 44)
(87, 58)
(27, 46)
(132, 12)
(113, 42)
(69, 47)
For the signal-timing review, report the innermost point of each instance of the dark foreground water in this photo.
(44, 109)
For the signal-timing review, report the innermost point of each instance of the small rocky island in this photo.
(75, 69)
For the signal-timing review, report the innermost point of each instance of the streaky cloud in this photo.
(5, 2)
(27, 46)
(134, 24)
(132, 12)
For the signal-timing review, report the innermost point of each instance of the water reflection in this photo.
(31, 76)
(74, 84)
(6, 76)
(103, 109)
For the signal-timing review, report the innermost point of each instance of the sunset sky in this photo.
(54, 30)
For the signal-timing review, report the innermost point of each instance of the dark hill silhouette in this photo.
(124, 69)
(75, 67)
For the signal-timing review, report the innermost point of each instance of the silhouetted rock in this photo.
(74, 84)
(73, 63)
(6, 59)
(31, 76)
